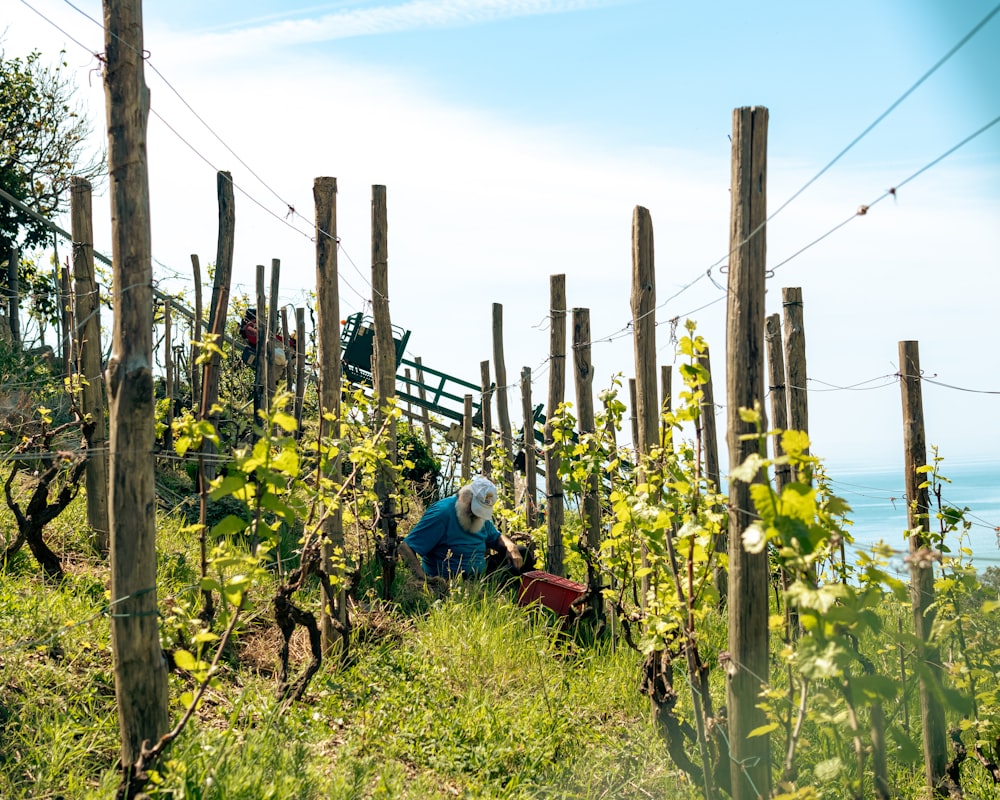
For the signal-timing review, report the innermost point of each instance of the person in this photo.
(453, 535)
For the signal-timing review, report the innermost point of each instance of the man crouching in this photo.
(452, 536)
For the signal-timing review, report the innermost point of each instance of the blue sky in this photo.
(515, 138)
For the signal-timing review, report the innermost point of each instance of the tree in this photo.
(44, 136)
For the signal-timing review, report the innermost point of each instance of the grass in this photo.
(469, 696)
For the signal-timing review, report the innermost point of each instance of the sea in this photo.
(877, 497)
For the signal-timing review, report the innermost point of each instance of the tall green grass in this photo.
(469, 696)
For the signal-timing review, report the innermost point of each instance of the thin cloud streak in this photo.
(399, 18)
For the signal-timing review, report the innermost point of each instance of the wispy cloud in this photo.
(387, 18)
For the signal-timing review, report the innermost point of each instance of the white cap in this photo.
(484, 495)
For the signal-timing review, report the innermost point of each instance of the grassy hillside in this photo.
(468, 696)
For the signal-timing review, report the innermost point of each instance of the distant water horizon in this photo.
(877, 496)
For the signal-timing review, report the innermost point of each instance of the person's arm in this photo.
(512, 552)
(412, 560)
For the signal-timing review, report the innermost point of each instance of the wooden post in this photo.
(584, 381)
(66, 316)
(13, 295)
(710, 443)
(922, 569)
(140, 669)
(196, 332)
(424, 415)
(778, 393)
(530, 474)
(272, 329)
(260, 360)
(467, 440)
(486, 411)
(643, 303)
(748, 572)
(408, 380)
(633, 403)
(286, 347)
(795, 359)
(503, 411)
(329, 369)
(666, 405)
(557, 387)
(168, 377)
(88, 345)
(300, 366)
(384, 369)
(212, 370)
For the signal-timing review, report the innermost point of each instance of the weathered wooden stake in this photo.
(710, 439)
(384, 369)
(168, 377)
(467, 440)
(554, 500)
(88, 345)
(66, 317)
(13, 295)
(273, 373)
(329, 370)
(260, 377)
(530, 472)
(666, 405)
(750, 757)
(584, 381)
(643, 303)
(196, 333)
(778, 394)
(424, 414)
(300, 366)
(286, 347)
(486, 411)
(922, 569)
(795, 359)
(633, 416)
(503, 411)
(140, 668)
(212, 370)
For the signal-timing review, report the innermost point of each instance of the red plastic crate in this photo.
(550, 590)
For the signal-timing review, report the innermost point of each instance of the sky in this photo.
(516, 137)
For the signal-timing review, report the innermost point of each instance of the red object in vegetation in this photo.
(558, 594)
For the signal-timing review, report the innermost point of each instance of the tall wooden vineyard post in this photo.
(921, 569)
(554, 500)
(333, 620)
(260, 359)
(425, 418)
(795, 359)
(212, 369)
(271, 335)
(88, 344)
(140, 669)
(503, 409)
(530, 472)
(300, 365)
(710, 439)
(643, 302)
(168, 374)
(196, 332)
(748, 572)
(384, 368)
(666, 404)
(467, 439)
(583, 372)
(486, 414)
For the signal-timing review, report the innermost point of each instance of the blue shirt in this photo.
(445, 547)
